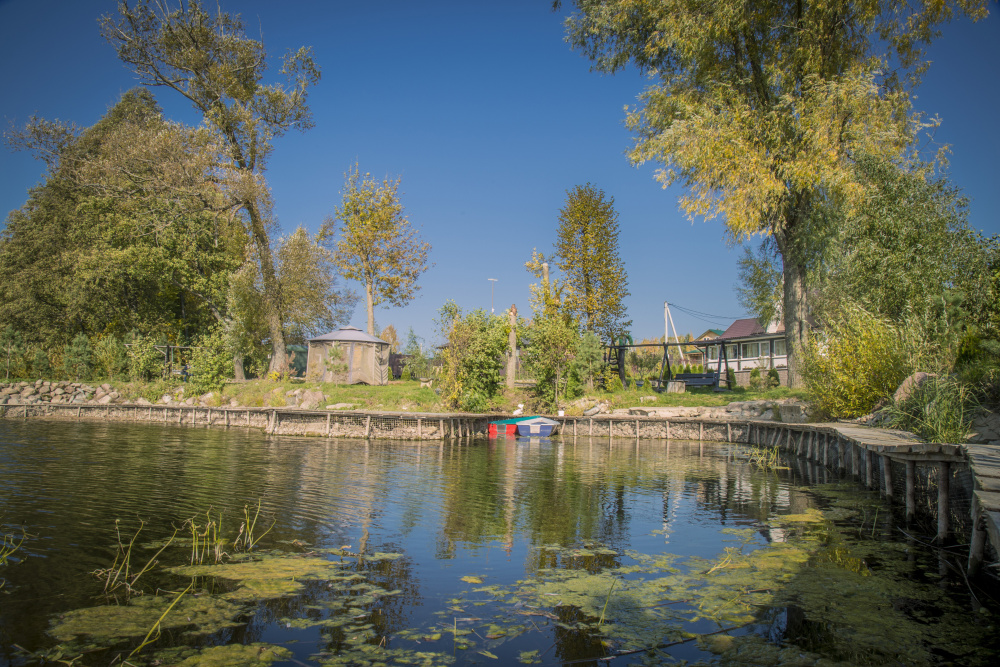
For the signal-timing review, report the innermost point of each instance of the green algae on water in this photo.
(229, 655)
(200, 614)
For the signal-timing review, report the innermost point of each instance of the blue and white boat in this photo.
(540, 426)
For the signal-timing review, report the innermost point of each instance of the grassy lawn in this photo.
(408, 395)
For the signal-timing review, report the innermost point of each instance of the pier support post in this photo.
(668, 429)
(729, 432)
(869, 469)
(420, 427)
(887, 477)
(977, 546)
(368, 425)
(944, 490)
(911, 491)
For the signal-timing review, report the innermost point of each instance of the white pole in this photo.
(670, 319)
(493, 281)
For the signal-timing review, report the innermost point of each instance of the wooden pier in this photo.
(893, 462)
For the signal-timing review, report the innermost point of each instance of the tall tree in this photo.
(376, 244)
(209, 60)
(758, 107)
(124, 234)
(587, 253)
(311, 298)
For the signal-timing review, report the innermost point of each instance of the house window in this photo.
(779, 348)
(750, 351)
(731, 351)
(713, 354)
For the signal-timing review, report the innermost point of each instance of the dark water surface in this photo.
(513, 552)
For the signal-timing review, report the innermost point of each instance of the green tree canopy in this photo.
(375, 244)
(125, 233)
(586, 252)
(758, 107)
(311, 298)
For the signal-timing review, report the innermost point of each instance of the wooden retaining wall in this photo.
(896, 463)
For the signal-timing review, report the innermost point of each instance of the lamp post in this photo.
(493, 282)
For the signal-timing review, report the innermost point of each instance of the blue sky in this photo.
(488, 118)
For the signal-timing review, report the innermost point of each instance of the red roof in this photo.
(744, 328)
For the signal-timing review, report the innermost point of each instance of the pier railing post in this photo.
(944, 491)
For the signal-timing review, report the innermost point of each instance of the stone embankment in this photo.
(56, 393)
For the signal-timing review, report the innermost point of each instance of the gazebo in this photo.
(348, 356)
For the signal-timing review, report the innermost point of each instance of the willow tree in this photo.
(209, 60)
(587, 254)
(376, 245)
(757, 106)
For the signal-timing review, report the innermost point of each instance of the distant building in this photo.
(749, 345)
(348, 356)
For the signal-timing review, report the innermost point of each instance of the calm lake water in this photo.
(509, 552)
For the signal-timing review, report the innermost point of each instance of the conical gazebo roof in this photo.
(349, 334)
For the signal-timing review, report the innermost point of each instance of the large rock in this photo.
(907, 386)
(312, 399)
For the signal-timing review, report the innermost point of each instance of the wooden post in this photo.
(944, 488)
(636, 429)
(277, 421)
(210, 416)
(911, 491)
(977, 545)
(248, 419)
(329, 417)
(420, 422)
(227, 418)
(729, 432)
(611, 429)
(441, 428)
(368, 425)
(887, 477)
(701, 431)
(668, 429)
(575, 422)
(869, 472)
(855, 458)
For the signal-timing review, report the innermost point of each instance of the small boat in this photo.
(506, 426)
(540, 426)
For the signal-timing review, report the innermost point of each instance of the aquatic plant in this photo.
(7, 548)
(206, 539)
(763, 457)
(150, 636)
(121, 575)
(246, 540)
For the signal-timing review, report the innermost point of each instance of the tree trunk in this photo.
(370, 303)
(794, 298)
(272, 291)
(238, 367)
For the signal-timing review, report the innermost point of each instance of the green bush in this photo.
(755, 382)
(859, 360)
(76, 358)
(773, 379)
(145, 362)
(940, 409)
(471, 370)
(108, 358)
(40, 364)
(211, 362)
(12, 349)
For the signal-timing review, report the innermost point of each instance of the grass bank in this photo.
(408, 395)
